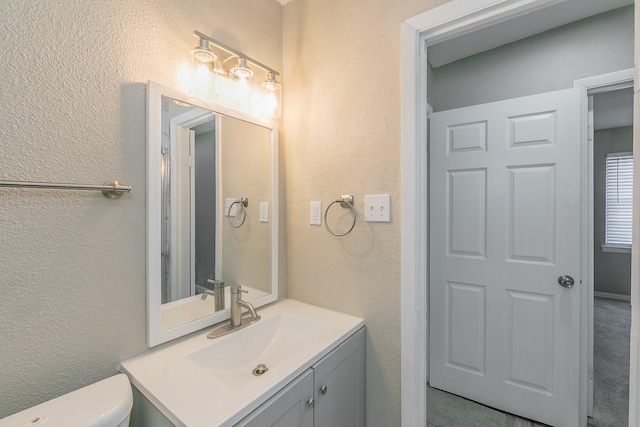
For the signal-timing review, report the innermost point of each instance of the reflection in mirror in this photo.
(211, 211)
(188, 179)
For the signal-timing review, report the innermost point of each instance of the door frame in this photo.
(438, 24)
(622, 79)
(187, 120)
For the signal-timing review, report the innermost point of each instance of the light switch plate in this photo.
(227, 204)
(264, 211)
(377, 208)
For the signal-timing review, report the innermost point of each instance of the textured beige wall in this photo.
(342, 136)
(72, 102)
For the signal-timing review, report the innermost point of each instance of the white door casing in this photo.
(182, 251)
(505, 224)
(181, 185)
(191, 284)
(594, 85)
(418, 32)
(440, 23)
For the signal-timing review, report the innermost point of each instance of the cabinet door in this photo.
(288, 408)
(340, 385)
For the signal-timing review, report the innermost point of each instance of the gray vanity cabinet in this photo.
(339, 380)
(330, 394)
(288, 408)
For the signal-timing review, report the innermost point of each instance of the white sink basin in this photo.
(203, 382)
(270, 342)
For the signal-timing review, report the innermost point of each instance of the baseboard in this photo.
(612, 296)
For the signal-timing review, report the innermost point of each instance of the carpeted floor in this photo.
(611, 335)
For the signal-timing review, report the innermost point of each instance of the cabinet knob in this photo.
(311, 403)
(323, 389)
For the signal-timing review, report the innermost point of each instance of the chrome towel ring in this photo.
(243, 203)
(346, 201)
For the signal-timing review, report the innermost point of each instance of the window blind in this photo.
(619, 198)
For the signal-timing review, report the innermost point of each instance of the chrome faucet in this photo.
(236, 307)
(236, 320)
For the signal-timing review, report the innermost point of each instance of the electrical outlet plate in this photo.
(377, 208)
(264, 211)
(315, 213)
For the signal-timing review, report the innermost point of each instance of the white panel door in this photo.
(504, 225)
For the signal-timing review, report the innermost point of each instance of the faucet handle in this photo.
(238, 288)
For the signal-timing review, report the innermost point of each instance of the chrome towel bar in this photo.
(111, 190)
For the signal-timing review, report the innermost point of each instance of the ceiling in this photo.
(519, 28)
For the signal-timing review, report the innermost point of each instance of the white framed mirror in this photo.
(205, 162)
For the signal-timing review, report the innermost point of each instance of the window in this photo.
(619, 201)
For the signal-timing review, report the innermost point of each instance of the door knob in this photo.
(311, 403)
(566, 281)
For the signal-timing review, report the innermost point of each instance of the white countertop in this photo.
(183, 381)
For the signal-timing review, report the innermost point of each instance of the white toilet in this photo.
(106, 403)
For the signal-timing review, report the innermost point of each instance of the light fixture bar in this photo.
(235, 52)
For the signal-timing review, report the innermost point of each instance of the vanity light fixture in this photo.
(203, 53)
(241, 71)
(272, 95)
(234, 84)
(271, 84)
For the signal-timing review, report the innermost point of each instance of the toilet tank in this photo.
(106, 403)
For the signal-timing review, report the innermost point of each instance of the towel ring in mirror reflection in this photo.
(243, 203)
(346, 201)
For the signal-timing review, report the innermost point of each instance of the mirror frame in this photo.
(155, 92)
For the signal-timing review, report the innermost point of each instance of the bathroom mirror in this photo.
(211, 210)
